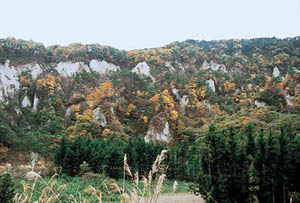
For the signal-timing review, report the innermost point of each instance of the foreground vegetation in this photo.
(225, 165)
(90, 187)
(80, 188)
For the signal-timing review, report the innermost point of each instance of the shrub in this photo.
(7, 188)
(272, 99)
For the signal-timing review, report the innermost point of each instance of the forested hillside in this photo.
(228, 112)
(164, 94)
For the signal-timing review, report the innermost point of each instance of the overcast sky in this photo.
(130, 24)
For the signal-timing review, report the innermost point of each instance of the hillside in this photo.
(164, 94)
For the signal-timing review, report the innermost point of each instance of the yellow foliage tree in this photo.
(106, 133)
(145, 119)
(48, 82)
(174, 115)
(228, 86)
(82, 125)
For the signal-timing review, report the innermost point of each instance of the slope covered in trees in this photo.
(207, 101)
(167, 92)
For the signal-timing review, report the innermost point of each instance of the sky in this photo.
(136, 24)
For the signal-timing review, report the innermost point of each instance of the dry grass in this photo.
(48, 194)
(54, 192)
(149, 193)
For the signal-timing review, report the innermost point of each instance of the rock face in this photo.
(211, 84)
(276, 72)
(34, 69)
(99, 117)
(207, 104)
(158, 131)
(68, 111)
(214, 66)
(183, 103)
(35, 103)
(69, 69)
(9, 82)
(26, 102)
(143, 69)
(175, 92)
(103, 67)
(9, 75)
(170, 67)
(288, 100)
(259, 104)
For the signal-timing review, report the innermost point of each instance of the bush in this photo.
(272, 99)
(7, 188)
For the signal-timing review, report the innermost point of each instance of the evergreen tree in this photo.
(260, 165)
(251, 147)
(60, 152)
(284, 165)
(251, 151)
(114, 157)
(193, 165)
(96, 159)
(272, 166)
(294, 155)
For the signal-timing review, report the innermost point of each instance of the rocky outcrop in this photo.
(9, 78)
(9, 75)
(259, 104)
(35, 70)
(207, 104)
(26, 102)
(183, 103)
(69, 69)
(9, 82)
(144, 69)
(170, 67)
(276, 72)
(211, 84)
(35, 103)
(159, 130)
(214, 66)
(103, 67)
(288, 100)
(99, 117)
(68, 112)
(175, 92)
